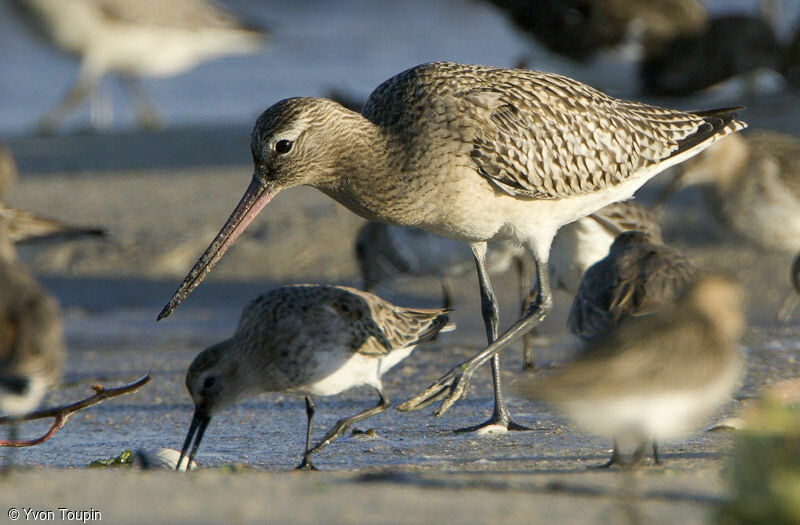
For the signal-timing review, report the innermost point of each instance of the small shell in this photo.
(163, 458)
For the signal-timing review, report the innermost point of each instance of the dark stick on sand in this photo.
(61, 413)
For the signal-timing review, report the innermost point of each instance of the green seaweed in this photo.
(124, 459)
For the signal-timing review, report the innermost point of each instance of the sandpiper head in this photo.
(212, 382)
(630, 238)
(293, 143)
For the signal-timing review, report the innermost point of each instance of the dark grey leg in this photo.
(453, 385)
(656, 458)
(341, 425)
(447, 298)
(311, 409)
(616, 458)
(525, 298)
(491, 317)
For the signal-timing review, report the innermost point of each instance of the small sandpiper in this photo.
(134, 38)
(31, 350)
(638, 275)
(472, 153)
(751, 185)
(307, 339)
(656, 377)
(582, 243)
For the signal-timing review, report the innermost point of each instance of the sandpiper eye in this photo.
(283, 146)
(209, 382)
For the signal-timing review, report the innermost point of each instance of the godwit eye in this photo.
(209, 382)
(283, 146)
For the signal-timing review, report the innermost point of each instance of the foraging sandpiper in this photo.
(306, 339)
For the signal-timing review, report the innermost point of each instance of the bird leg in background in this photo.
(8, 465)
(526, 295)
(84, 86)
(146, 113)
(447, 298)
(453, 385)
(491, 317)
(793, 297)
(341, 425)
(311, 409)
(61, 413)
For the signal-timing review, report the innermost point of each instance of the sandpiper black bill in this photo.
(197, 428)
(257, 195)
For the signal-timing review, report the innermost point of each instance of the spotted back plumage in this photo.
(628, 216)
(534, 134)
(638, 275)
(372, 326)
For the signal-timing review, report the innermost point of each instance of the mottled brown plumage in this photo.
(638, 276)
(312, 340)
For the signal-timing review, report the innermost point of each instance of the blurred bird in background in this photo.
(133, 39)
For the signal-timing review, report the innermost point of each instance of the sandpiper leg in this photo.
(616, 458)
(341, 425)
(490, 311)
(453, 385)
(146, 113)
(84, 87)
(447, 298)
(656, 457)
(13, 435)
(638, 454)
(311, 409)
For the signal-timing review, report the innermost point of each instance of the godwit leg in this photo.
(311, 409)
(453, 385)
(342, 425)
(525, 298)
(490, 311)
